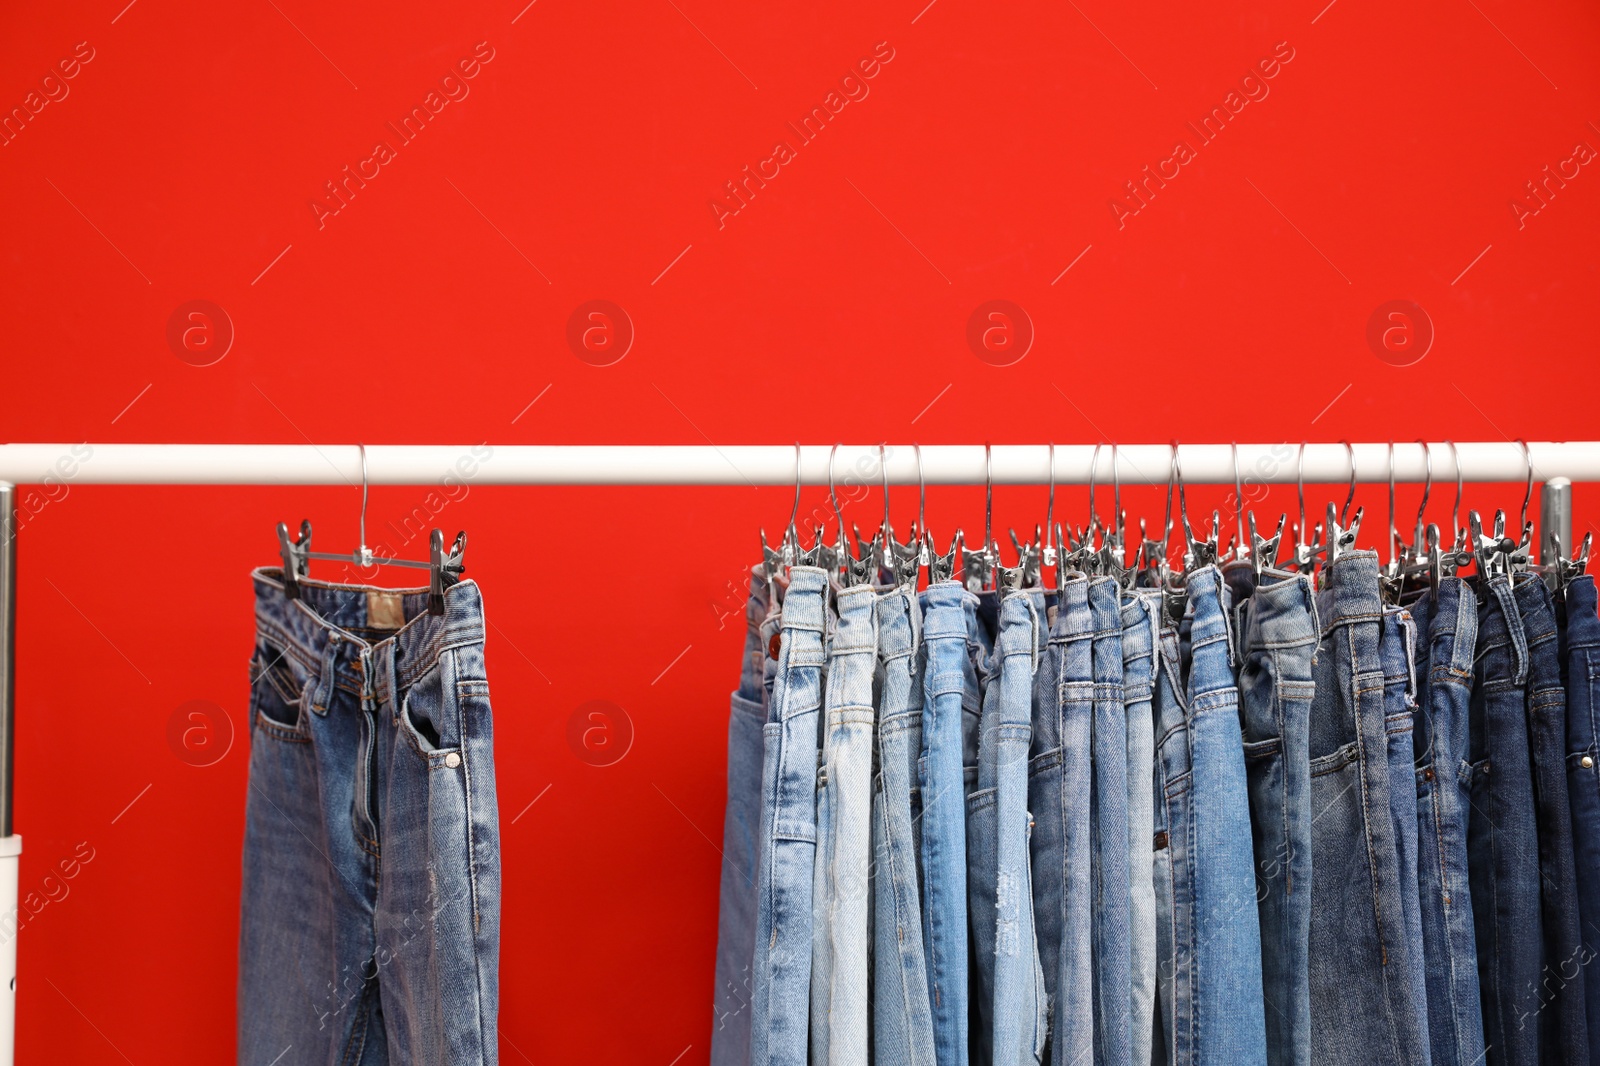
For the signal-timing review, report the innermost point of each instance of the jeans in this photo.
(1108, 806)
(1581, 674)
(1279, 633)
(1140, 630)
(1563, 1024)
(1208, 932)
(370, 735)
(782, 964)
(1363, 1007)
(736, 916)
(1502, 834)
(1397, 650)
(1060, 778)
(841, 923)
(1447, 627)
(1009, 998)
(902, 1016)
(949, 683)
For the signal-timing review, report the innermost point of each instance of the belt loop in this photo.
(1408, 629)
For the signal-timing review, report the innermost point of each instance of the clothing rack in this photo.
(1555, 464)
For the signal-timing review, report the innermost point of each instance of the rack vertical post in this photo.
(10, 843)
(1555, 524)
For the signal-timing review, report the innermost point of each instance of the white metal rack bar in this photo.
(942, 464)
(1557, 464)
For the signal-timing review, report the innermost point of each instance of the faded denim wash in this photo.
(1140, 631)
(1502, 834)
(782, 966)
(1009, 1015)
(1060, 777)
(1279, 637)
(1447, 628)
(1108, 806)
(902, 1016)
(1363, 1007)
(370, 736)
(1563, 1021)
(1209, 993)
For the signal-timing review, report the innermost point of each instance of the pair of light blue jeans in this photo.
(741, 827)
(1140, 631)
(1279, 635)
(1209, 992)
(370, 911)
(1109, 821)
(781, 966)
(1447, 628)
(902, 1014)
(1010, 1006)
(842, 875)
(1060, 784)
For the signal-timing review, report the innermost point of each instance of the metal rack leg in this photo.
(10, 843)
(1555, 524)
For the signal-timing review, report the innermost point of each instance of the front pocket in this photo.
(277, 693)
(426, 715)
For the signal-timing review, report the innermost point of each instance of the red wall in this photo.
(182, 162)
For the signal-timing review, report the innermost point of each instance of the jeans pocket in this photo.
(277, 693)
(427, 716)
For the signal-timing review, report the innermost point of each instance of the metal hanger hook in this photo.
(1300, 489)
(1050, 505)
(1116, 489)
(1166, 525)
(363, 520)
(1527, 461)
(1427, 485)
(1238, 495)
(832, 496)
(1094, 471)
(988, 496)
(883, 478)
(922, 494)
(1455, 511)
(1350, 453)
(1183, 501)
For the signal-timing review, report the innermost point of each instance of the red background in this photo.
(432, 308)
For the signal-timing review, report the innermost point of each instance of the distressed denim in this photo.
(1397, 650)
(841, 921)
(781, 994)
(1209, 992)
(1563, 1022)
(1363, 1009)
(1447, 628)
(1140, 630)
(1009, 998)
(1279, 634)
(1108, 806)
(370, 737)
(1060, 777)
(949, 684)
(902, 1016)
(1581, 675)
(741, 822)
(1502, 834)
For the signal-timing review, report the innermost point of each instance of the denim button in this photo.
(452, 760)
(773, 645)
(1428, 774)
(1587, 761)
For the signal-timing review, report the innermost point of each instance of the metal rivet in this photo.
(1588, 762)
(452, 760)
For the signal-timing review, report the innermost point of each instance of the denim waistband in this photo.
(331, 630)
(1535, 606)
(1074, 620)
(1019, 627)
(1452, 629)
(1352, 593)
(1141, 630)
(856, 632)
(1500, 625)
(1583, 624)
(944, 625)
(810, 612)
(1208, 628)
(899, 623)
(1282, 612)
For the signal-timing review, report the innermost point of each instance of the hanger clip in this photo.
(296, 558)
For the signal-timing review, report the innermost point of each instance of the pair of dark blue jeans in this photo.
(1580, 664)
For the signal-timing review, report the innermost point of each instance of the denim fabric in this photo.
(1502, 834)
(1581, 675)
(741, 821)
(1208, 932)
(1563, 1022)
(1279, 638)
(902, 1016)
(782, 967)
(1140, 630)
(1108, 806)
(1060, 778)
(1397, 651)
(1009, 1017)
(1447, 627)
(370, 736)
(1363, 1009)
(949, 683)
(844, 801)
